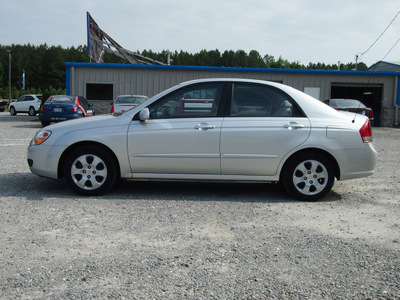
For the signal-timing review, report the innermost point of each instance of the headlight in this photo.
(40, 137)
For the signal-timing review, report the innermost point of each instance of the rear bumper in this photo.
(47, 118)
(357, 163)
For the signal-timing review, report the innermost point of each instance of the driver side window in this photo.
(195, 101)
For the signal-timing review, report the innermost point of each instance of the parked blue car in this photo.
(61, 107)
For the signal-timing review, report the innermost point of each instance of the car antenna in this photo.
(355, 114)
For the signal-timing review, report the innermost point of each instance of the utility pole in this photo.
(356, 61)
(9, 75)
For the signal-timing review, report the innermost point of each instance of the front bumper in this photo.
(43, 160)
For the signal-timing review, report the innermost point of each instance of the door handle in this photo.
(204, 126)
(293, 125)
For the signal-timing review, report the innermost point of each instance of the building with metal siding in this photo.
(101, 83)
(385, 66)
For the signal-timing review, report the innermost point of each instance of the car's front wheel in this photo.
(90, 170)
(32, 111)
(13, 112)
(308, 176)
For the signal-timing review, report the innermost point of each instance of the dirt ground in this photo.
(159, 240)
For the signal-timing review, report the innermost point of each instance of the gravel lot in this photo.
(158, 240)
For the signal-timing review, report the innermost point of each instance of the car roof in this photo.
(132, 96)
(310, 105)
(228, 80)
(344, 99)
(281, 86)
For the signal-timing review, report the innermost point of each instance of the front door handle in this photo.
(293, 125)
(204, 126)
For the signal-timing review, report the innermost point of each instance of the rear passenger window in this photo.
(260, 101)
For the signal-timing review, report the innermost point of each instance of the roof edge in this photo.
(224, 69)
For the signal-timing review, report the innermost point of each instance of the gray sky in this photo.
(298, 30)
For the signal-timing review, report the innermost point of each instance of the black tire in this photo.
(32, 111)
(13, 112)
(44, 124)
(90, 170)
(308, 176)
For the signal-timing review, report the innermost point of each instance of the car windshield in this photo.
(349, 103)
(130, 99)
(62, 99)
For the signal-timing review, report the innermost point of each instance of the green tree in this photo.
(255, 60)
(44, 65)
(241, 58)
(228, 59)
(1, 74)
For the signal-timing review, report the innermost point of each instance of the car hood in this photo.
(92, 122)
(95, 128)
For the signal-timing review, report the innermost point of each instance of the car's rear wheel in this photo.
(13, 112)
(308, 176)
(32, 111)
(90, 170)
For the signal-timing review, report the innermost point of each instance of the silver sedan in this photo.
(211, 129)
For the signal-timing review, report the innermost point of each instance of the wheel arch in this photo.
(31, 107)
(61, 162)
(309, 151)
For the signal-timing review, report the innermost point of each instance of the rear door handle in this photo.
(293, 125)
(204, 126)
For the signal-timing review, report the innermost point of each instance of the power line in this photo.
(391, 49)
(381, 34)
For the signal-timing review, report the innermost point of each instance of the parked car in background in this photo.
(61, 107)
(26, 104)
(126, 102)
(245, 130)
(351, 105)
(3, 104)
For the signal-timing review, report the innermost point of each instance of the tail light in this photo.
(371, 114)
(112, 109)
(74, 109)
(366, 132)
(43, 109)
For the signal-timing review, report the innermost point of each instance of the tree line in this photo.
(242, 59)
(44, 66)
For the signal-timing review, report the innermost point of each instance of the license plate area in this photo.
(57, 109)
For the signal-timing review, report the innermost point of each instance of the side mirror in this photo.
(144, 114)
